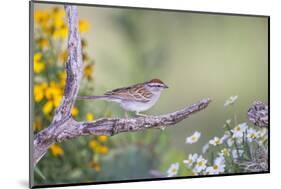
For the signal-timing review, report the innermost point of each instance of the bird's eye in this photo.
(156, 86)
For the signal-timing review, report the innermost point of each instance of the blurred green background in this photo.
(196, 55)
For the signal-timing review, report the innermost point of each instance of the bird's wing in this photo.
(133, 93)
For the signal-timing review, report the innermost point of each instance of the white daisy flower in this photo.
(205, 148)
(230, 101)
(215, 141)
(173, 170)
(239, 130)
(191, 159)
(252, 134)
(200, 164)
(225, 152)
(193, 138)
(218, 167)
(209, 171)
(220, 160)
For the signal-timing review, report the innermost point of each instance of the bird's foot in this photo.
(141, 115)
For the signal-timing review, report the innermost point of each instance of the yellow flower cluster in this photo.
(88, 70)
(38, 91)
(52, 93)
(95, 165)
(94, 144)
(56, 150)
(50, 76)
(38, 65)
(97, 147)
(43, 43)
(42, 18)
(103, 138)
(52, 22)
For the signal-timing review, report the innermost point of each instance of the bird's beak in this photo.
(166, 87)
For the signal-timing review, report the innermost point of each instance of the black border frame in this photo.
(31, 29)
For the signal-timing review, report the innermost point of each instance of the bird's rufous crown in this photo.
(156, 81)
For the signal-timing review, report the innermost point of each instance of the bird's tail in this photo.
(92, 98)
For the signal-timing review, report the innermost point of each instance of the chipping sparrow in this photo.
(136, 98)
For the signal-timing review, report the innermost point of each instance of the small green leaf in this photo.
(37, 170)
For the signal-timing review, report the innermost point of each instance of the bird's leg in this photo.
(141, 115)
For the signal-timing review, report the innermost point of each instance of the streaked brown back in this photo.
(135, 93)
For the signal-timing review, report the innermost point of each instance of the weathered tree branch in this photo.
(258, 114)
(112, 126)
(74, 67)
(64, 127)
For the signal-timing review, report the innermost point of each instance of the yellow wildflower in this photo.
(63, 56)
(53, 94)
(61, 33)
(37, 56)
(58, 17)
(56, 150)
(102, 138)
(58, 12)
(58, 23)
(102, 149)
(48, 107)
(37, 125)
(95, 165)
(54, 90)
(42, 43)
(93, 144)
(38, 91)
(89, 116)
(56, 100)
(38, 65)
(83, 26)
(74, 111)
(88, 70)
(42, 17)
(62, 76)
(64, 31)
